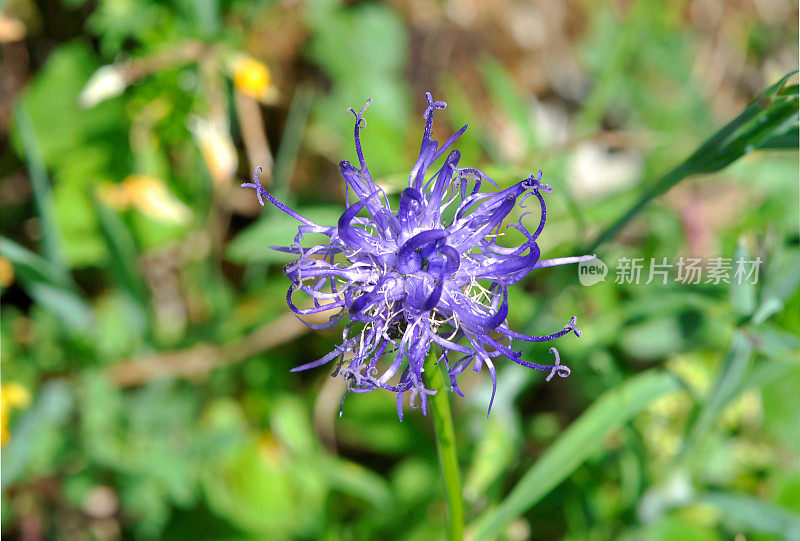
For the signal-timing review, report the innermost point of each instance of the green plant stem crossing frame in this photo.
(439, 404)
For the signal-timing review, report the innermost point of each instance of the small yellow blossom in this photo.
(12, 395)
(6, 272)
(251, 76)
(147, 194)
(150, 195)
(217, 149)
(113, 195)
(11, 29)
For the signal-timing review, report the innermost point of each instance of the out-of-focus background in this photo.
(145, 340)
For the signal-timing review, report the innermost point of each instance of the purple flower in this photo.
(429, 274)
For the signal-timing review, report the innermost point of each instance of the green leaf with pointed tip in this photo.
(495, 452)
(506, 96)
(78, 147)
(42, 194)
(780, 283)
(769, 122)
(755, 515)
(122, 254)
(291, 139)
(727, 384)
(579, 442)
(49, 285)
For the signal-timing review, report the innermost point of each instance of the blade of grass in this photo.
(32, 266)
(49, 286)
(755, 514)
(42, 196)
(769, 122)
(782, 141)
(122, 254)
(725, 387)
(780, 285)
(742, 292)
(579, 442)
(506, 96)
(48, 414)
(290, 141)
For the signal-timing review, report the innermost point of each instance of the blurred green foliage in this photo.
(143, 312)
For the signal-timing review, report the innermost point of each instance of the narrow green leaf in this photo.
(780, 285)
(493, 455)
(578, 443)
(42, 195)
(725, 387)
(782, 141)
(790, 90)
(290, 141)
(775, 342)
(763, 124)
(71, 309)
(742, 291)
(122, 254)
(781, 350)
(50, 286)
(51, 409)
(502, 89)
(33, 266)
(718, 139)
(755, 515)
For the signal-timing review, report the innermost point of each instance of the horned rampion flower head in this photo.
(426, 276)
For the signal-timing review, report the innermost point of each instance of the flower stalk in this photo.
(445, 446)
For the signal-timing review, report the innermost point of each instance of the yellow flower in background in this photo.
(11, 29)
(12, 395)
(113, 195)
(251, 76)
(150, 195)
(217, 148)
(6, 272)
(147, 194)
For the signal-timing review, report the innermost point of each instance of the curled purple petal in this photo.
(410, 282)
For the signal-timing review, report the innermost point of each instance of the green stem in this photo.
(439, 405)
